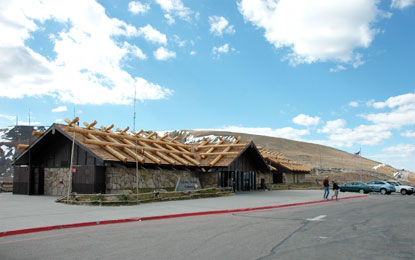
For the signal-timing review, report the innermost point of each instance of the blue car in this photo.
(381, 186)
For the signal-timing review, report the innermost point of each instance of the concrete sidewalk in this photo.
(22, 211)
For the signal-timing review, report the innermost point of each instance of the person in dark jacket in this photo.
(336, 191)
(326, 187)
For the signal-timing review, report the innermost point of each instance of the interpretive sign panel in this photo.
(188, 183)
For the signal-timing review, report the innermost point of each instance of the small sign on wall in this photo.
(188, 183)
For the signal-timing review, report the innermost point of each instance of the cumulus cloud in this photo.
(408, 133)
(152, 35)
(401, 150)
(286, 132)
(60, 109)
(192, 52)
(341, 136)
(338, 68)
(164, 54)
(175, 8)
(224, 49)
(314, 30)
(402, 111)
(306, 120)
(402, 4)
(219, 25)
(353, 104)
(88, 66)
(137, 7)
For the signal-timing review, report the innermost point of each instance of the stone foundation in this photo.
(293, 178)
(266, 176)
(208, 179)
(56, 181)
(125, 178)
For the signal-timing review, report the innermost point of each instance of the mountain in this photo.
(322, 160)
(10, 137)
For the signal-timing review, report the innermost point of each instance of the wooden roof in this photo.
(130, 146)
(277, 159)
(149, 148)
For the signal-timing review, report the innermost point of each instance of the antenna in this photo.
(29, 116)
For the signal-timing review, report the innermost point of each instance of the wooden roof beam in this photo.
(71, 123)
(205, 142)
(91, 125)
(102, 133)
(37, 133)
(107, 129)
(109, 149)
(121, 132)
(212, 148)
(22, 146)
(219, 153)
(220, 156)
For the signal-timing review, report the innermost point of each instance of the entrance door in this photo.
(36, 181)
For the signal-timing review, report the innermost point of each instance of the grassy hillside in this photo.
(323, 160)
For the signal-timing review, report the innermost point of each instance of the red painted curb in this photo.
(181, 215)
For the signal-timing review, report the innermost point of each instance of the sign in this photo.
(188, 183)
(73, 170)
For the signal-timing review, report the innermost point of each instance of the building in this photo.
(107, 161)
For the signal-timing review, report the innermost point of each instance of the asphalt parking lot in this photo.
(373, 227)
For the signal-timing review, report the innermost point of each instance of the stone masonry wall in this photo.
(125, 178)
(291, 178)
(266, 176)
(208, 179)
(56, 181)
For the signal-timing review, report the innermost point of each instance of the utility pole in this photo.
(71, 164)
(136, 152)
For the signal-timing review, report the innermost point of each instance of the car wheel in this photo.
(361, 191)
(403, 192)
(383, 191)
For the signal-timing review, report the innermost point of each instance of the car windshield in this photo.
(399, 183)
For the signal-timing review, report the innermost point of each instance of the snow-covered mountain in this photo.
(10, 137)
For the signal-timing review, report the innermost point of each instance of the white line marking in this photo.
(318, 218)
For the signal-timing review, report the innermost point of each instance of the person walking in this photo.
(326, 188)
(336, 191)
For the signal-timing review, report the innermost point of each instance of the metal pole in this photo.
(136, 152)
(361, 169)
(71, 164)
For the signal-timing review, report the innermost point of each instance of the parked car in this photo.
(355, 186)
(403, 189)
(381, 186)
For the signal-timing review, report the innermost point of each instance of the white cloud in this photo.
(219, 25)
(403, 111)
(338, 68)
(175, 8)
(315, 30)
(137, 7)
(402, 4)
(164, 54)
(353, 104)
(152, 35)
(408, 133)
(401, 150)
(217, 51)
(60, 109)
(192, 53)
(8, 118)
(341, 136)
(88, 67)
(286, 132)
(306, 120)
(59, 120)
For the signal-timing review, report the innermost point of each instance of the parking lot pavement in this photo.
(22, 211)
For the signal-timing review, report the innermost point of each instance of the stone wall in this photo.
(125, 178)
(266, 176)
(208, 179)
(56, 181)
(291, 178)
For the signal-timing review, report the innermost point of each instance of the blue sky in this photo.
(338, 73)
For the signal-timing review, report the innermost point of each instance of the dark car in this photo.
(355, 186)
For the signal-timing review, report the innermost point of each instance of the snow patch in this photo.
(377, 166)
(3, 133)
(191, 139)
